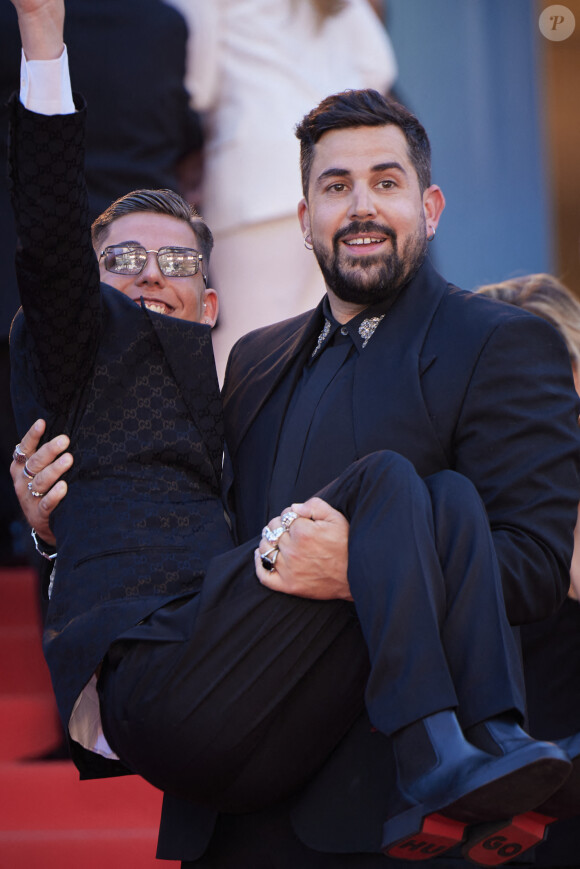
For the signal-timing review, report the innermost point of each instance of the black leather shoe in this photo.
(497, 843)
(441, 773)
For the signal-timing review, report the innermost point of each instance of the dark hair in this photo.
(363, 108)
(155, 202)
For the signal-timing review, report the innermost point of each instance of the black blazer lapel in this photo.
(257, 368)
(270, 353)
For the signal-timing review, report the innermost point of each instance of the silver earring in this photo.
(432, 236)
(308, 243)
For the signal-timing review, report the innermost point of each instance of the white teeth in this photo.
(365, 240)
(155, 306)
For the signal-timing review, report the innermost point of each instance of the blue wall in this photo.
(469, 70)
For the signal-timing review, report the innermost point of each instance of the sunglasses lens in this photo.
(125, 260)
(178, 261)
(173, 261)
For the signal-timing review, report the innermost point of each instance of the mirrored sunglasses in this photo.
(180, 262)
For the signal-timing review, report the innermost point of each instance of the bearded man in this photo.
(393, 358)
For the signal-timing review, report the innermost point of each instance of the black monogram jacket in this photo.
(137, 393)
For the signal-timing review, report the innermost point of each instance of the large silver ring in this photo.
(19, 456)
(27, 472)
(288, 518)
(268, 558)
(34, 493)
(275, 535)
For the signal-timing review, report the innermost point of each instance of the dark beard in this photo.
(391, 271)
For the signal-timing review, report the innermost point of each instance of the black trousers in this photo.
(257, 688)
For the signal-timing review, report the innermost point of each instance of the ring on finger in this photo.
(275, 535)
(19, 455)
(268, 558)
(27, 472)
(34, 493)
(288, 518)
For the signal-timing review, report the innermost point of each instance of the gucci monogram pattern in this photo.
(136, 391)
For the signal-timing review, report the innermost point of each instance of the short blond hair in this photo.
(547, 297)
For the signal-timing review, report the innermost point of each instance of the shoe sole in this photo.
(491, 844)
(496, 844)
(514, 790)
(436, 835)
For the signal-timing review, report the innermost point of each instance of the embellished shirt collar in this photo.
(361, 328)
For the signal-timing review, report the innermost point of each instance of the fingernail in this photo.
(38, 425)
(62, 442)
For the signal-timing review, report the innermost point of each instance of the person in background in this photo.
(259, 66)
(551, 648)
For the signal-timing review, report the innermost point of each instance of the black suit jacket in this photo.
(449, 380)
(137, 393)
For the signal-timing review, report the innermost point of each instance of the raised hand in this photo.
(41, 25)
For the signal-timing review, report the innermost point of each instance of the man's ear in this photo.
(433, 205)
(304, 217)
(210, 307)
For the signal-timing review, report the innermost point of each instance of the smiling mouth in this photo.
(364, 239)
(155, 305)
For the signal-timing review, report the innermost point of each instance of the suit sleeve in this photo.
(57, 272)
(517, 439)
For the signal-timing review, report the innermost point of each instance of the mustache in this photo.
(358, 227)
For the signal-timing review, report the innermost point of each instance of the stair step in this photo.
(52, 820)
(29, 726)
(19, 597)
(50, 796)
(49, 819)
(23, 669)
(127, 849)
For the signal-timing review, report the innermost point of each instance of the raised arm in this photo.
(57, 271)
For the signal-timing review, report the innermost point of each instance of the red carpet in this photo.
(48, 818)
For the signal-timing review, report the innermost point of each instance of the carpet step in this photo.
(29, 726)
(50, 796)
(51, 820)
(127, 849)
(23, 669)
(19, 597)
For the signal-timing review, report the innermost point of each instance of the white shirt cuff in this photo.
(45, 86)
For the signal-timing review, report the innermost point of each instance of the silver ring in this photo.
(273, 536)
(288, 518)
(34, 493)
(267, 562)
(27, 472)
(19, 456)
